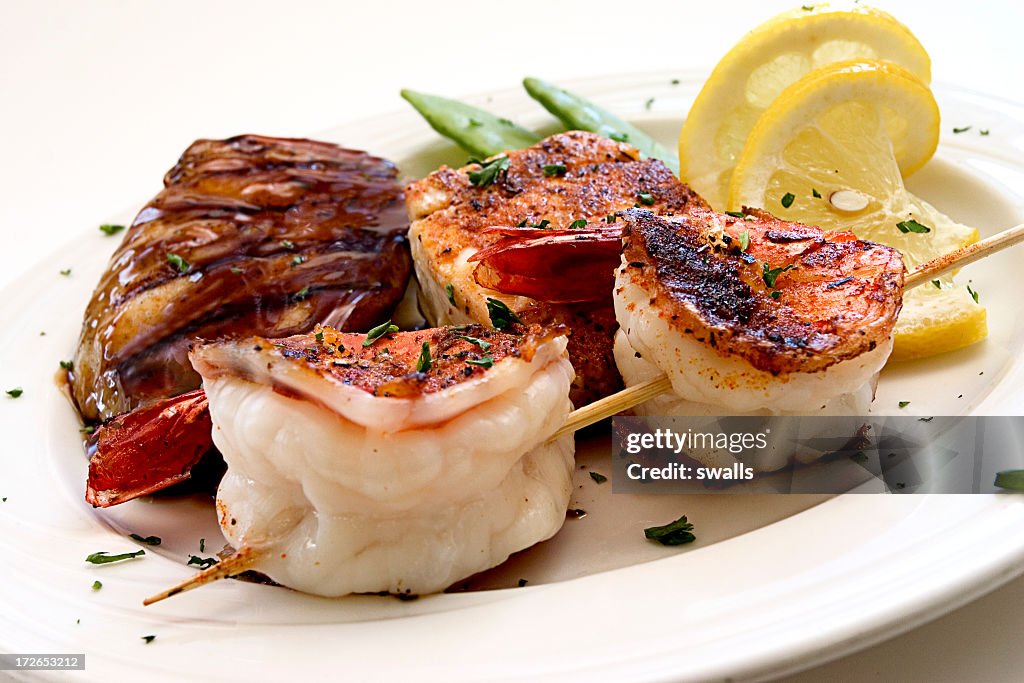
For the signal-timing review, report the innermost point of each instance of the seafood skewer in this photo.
(355, 462)
(246, 557)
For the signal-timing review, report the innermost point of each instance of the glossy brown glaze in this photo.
(274, 236)
(601, 177)
(837, 298)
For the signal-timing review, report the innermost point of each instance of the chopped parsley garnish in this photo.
(484, 362)
(319, 336)
(111, 229)
(551, 170)
(67, 365)
(236, 270)
(66, 272)
(645, 198)
(88, 429)
(103, 557)
(611, 218)
(815, 193)
(301, 294)
(1010, 479)
(181, 264)
(501, 315)
(807, 8)
(298, 260)
(619, 137)
(378, 332)
(770, 275)
(736, 214)
(489, 171)
(775, 294)
(674, 81)
(787, 200)
(648, 103)
(149, 639)
(287, 244)
(449, 289)
(15, 392)
(937, 283)
(974, 295)
(543, 225)
(148, 540)
(484, 345)
(910, 225)
(674, 533)
(201, 562)
(423, 362)
(983, 131)
(961, 130)
(744, 240)
(578, 223)
(96, 585)
(904, 404)
(598, 477)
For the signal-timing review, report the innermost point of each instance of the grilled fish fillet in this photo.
(250, 235)
(562, 179)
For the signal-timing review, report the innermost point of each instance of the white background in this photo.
(98, 99)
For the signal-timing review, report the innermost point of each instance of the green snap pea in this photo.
(478, 132)
(579, 114)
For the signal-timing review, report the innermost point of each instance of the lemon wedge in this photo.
(763, 64)
(832, 151)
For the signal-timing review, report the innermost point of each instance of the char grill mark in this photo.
(840, 298)
(273, 235)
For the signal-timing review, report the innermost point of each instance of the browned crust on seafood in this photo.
(602, 177)
(839, 299)
(391, 365)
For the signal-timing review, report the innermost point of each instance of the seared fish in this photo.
(563, 179)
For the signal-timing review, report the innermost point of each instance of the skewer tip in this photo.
(243, 560)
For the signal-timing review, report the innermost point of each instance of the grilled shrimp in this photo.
(400, 464)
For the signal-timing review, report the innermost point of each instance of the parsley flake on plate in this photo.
(103, 557)
(673, 533)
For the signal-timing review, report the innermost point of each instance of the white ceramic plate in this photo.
(766, 589)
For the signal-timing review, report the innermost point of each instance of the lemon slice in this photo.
(768, 59)
(831, 151)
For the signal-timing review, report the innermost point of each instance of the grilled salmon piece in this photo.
(563, 179)
(250, 236)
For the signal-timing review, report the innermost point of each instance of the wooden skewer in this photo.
(638, 393)
(246, 557)
(962, 257)
(242, 561)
